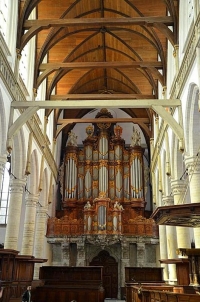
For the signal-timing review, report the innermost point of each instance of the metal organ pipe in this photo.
(103, 170)
(75, 179)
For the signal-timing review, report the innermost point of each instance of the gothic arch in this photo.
(98, 249)
(192, 121)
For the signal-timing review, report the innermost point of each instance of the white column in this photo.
(40, 232)
(183, 233)
(193, 166)
(29, 224)
(171, 251)
(171, 243)
(14, 213)
(163, 250)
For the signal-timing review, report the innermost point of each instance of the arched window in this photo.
(4, 197)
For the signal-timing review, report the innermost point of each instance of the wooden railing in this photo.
(160, 293)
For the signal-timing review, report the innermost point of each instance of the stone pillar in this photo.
(163, 250)
(171, 251)
(171, 243)
(29, 224)
(40, 232)
(125, 260)
(141, 254)
(14, 213)
(183, 234)
(3, 160)
(193, 166)
(81, 253)
(65, 253)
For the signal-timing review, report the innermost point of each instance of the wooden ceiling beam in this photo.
(104, 120)
(148, 21)
(90, 104)
(100, 96)
(113, 64)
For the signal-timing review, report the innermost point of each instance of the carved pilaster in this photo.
(125, 259)
(140, 254)
(81, 253)
(65, 253)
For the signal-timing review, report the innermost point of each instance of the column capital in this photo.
(178, 186)
(17, 185)
(42, 212)
(31, 199)
(192, 164)
(168, 200)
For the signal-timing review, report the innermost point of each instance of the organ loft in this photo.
(102, 218)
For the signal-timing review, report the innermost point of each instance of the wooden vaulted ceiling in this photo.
(99, 49)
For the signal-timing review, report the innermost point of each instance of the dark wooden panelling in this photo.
(63, 284)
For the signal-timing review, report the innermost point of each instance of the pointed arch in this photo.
(192, 121)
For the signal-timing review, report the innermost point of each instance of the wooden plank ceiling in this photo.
(89, 49)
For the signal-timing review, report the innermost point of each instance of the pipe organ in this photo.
(102, 183)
